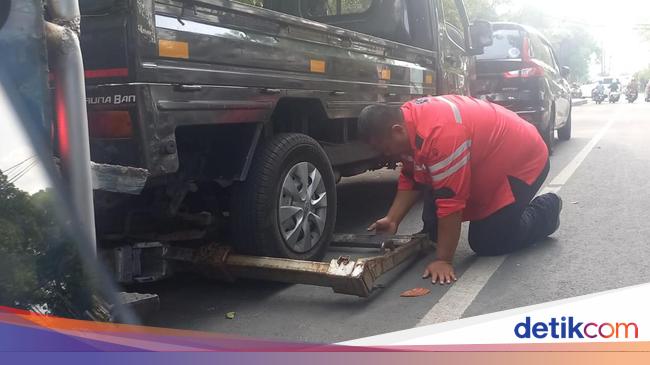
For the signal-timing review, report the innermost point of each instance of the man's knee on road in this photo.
(490, 244)
(487, 247)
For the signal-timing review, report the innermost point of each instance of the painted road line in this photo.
(462, 293)
(566, 173)
(453, 304)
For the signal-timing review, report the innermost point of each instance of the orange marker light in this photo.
(317, 66)
(173, 49)
(384, 74)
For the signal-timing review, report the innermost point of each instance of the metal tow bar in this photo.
(343, 274)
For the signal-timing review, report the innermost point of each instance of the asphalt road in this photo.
(602, 173)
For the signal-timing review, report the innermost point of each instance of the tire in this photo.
(564, 133)
(275, 179)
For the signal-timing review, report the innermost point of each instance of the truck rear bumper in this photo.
(118, 179)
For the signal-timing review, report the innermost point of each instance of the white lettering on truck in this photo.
(116, 99)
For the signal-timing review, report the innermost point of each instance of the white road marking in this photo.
(462, 293)
(570, 168)
(453, 304)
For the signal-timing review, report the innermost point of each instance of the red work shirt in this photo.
(465, 149)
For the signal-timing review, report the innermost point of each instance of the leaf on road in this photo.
(230, 315)
(415, 292)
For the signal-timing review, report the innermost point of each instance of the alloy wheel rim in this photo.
(302, 208)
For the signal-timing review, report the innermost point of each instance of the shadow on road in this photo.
(363, 199)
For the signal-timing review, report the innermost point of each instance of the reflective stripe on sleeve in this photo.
(454, 155)
(457, 166)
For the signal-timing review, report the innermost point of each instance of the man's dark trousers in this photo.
(512, 227)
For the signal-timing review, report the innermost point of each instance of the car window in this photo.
(287, 7)
(259, 3)
(506, 44)
(325, 8)
(540, 51)
(554, 63)
(420, 26)
(453, 22)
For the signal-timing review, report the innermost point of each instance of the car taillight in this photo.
(532, 71)
(110, 124)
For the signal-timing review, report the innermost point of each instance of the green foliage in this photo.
(484, 9)
(575, 48)
(643, 76)
(39, 267)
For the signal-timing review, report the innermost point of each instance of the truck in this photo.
(232, 121)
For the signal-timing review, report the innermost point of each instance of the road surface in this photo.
(602, 173)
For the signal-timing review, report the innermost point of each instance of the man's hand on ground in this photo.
(384, 226)
(440, 272)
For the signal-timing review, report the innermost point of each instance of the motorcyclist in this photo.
(632, 87)
(614, 86)
(599, 89)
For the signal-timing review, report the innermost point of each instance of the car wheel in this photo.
(287, 205)
(564, 133)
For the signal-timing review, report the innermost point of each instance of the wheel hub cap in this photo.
(302, 208)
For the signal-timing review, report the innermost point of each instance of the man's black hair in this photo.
(377, 120)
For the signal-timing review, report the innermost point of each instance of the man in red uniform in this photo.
(471, 161)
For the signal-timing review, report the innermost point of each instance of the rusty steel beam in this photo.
(344, 274)
(349, 240)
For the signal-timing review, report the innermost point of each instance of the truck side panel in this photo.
(225, 43)
(213, 62)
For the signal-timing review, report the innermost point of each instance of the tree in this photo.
(19, 234)
(484, 9)
(643, 76)
(575, 48)
(39, 266)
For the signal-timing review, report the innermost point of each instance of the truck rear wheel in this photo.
(287, 205)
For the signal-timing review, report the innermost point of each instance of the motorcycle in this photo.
(631, 95)
(597, 96)
(614, 97)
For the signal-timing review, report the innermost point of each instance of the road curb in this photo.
(579, 102)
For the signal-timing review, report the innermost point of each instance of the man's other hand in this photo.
(384, 226)
(440, 272)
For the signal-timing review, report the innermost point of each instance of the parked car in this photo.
(243, 116)
(520, 71)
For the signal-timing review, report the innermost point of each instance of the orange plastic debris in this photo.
(415, 292)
